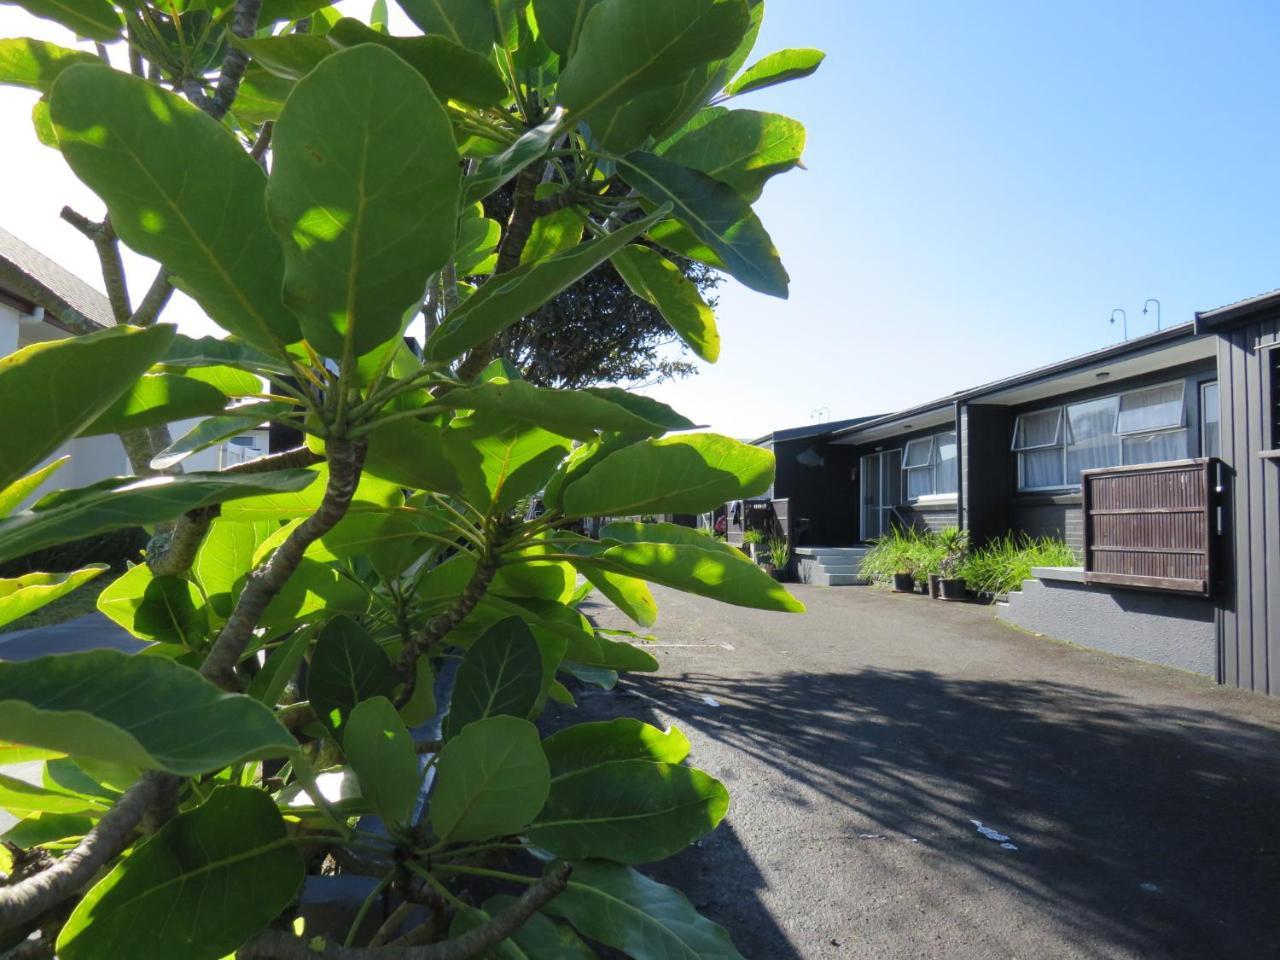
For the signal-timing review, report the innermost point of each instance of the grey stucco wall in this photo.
(1167, 629)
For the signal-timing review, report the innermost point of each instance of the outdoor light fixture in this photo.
(1157, 303)
(1124, 319)
(1102, 374)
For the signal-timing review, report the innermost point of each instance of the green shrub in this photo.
(752, 536)
(1001, 566)
(918, 552)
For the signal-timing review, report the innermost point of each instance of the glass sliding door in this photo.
(881, 487)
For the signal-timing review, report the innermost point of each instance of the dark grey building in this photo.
(1157, 459)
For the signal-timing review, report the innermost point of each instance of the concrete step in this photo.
(838, 569)
(822, 579)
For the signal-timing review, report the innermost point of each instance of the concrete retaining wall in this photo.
(1168, 629)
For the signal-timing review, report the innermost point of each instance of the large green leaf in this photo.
(157, 398)
(629, 811)
(410, 453)
(212, 431)
(35, 64)
(281, 667)
(500, 674)
(587, 745)
(381, 752)
(499, 461)
(506, 298)
(346, 668)
(492, 780)
(776, 68)
(469, 23)
(742, 148)
(692, 473)
(570, 413)
(13, 495)
(58, 389)
(225, 557)
(584, 644)
(211, 877)
(492, 172)
(21, 798)
(539, 938)
(315, 590)
(137, 711)
(158, 609)
(303, 498)
(363, 195)
(292, 56)
(59, 518)
(709, 570)
(187, 351)
(715, 214)
(125, 501)
(626, 48)
(561, 22)
(628, 594)
(655, 279)
(453, 71)
(22, 595)
(95, 19)
(624, 909)
(136, 146)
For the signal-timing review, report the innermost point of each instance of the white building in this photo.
(39, 301)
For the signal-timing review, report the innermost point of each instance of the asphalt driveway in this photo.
(1126, 811)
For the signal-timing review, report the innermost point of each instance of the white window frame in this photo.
(1064, 428)
(932, 467)
(1204, 422)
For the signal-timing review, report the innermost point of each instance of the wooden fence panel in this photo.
(1150, 526)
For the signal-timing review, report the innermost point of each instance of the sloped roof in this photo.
(31, 275)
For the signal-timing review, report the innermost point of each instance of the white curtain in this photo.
(1151, 409)
(1156, 447)
(1042, 468)
(1037, 429)
(946, 470)
(1092, 436)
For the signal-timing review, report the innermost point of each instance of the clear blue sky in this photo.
(985, 182)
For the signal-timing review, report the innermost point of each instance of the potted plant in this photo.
(780, 556)
(951, 586)
(751, 541)
(904, 580)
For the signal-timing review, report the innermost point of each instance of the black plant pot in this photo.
(933, 584)
(904, 583)
(953, 589)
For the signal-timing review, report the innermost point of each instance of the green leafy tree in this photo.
(348, 643)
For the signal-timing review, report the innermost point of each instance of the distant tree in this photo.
(598, 331)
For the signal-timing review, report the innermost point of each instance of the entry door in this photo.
(881, 491)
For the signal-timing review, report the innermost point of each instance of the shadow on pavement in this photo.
(1142, 828)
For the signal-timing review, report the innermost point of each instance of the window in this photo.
(1273, 395)
(1152, 425)
(1142, 426)
(929, 464)
(1210, 421)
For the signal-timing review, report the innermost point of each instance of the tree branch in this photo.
(154, 301)
(438, 627)
(31, 897)
(188, 533)
(346, 459)
(278, 945)
(103, 237)
(244, 24)
(514, 239)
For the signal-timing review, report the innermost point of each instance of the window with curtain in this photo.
(1152, 424)
(1142, 426)
(929, 465)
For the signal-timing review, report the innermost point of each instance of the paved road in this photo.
(863, 740)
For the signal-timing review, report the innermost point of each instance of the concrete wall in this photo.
(1168, 629)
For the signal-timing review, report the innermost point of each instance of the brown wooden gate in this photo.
(1151, 527)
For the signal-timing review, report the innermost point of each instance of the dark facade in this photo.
(1248, 605)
